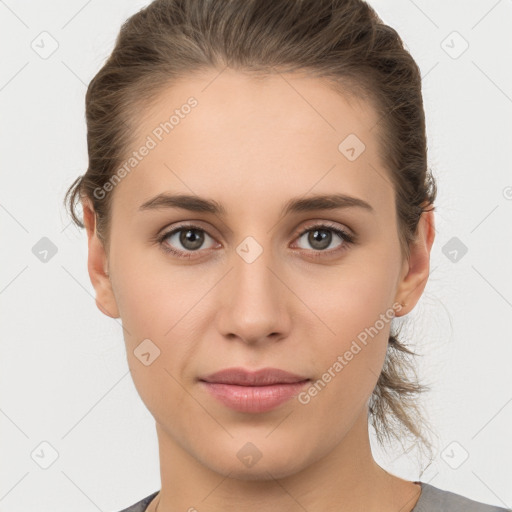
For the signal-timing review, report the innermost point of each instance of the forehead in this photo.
(217, 133)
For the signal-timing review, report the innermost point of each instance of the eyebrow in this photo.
(295, 205)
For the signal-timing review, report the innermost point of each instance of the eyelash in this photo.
(347, 238)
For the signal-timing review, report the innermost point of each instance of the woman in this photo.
(259, 209)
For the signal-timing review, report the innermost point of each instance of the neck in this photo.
(345, 479)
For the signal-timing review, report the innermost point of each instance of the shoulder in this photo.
(438, 500)
(431, 499)
(141, 505)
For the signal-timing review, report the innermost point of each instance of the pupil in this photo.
(325, 238)
(190, 239)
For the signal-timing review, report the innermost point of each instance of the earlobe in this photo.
(412, 284)
(97, 265)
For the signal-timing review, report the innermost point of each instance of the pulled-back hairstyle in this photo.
(343, 42)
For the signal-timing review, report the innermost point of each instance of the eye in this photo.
(320, 238)
(190, 237)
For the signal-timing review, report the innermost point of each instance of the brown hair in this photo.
(343, 42)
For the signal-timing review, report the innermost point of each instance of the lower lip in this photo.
(254, 398)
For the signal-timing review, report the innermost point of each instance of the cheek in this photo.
(151, 294)
(158, 303)
(349, 364)
(153, 306)
(353, 296)
(356, 312)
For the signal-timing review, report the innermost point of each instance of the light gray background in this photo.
(63, 369)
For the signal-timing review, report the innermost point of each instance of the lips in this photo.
(253, 391)
(264, 377)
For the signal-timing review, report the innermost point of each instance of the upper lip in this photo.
(263, 377)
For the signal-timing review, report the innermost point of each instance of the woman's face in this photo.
(251, 287)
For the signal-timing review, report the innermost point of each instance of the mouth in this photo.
(253, 392)
(264, 377)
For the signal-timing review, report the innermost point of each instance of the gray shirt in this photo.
(432, 499)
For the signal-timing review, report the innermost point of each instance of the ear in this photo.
(415, 271)
(97, 264)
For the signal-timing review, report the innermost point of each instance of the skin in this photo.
(252, 145)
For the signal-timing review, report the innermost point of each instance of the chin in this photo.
(250, 463)
(259, 472)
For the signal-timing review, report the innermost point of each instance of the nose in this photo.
(254, 300)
